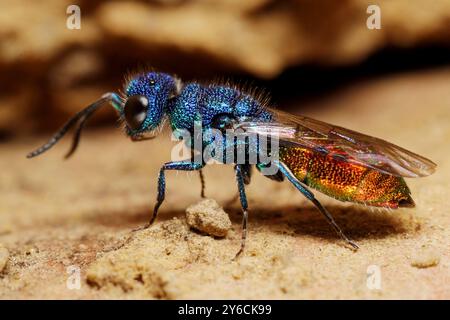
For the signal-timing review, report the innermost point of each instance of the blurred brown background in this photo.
(296, 48)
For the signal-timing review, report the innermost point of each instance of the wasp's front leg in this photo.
(176, 165)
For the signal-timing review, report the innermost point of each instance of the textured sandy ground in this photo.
(55, 214)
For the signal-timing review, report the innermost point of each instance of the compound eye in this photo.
(135, 111)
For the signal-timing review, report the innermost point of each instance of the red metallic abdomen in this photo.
(346, 181)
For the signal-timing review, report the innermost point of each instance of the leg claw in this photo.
(145, 226)
(352, 244)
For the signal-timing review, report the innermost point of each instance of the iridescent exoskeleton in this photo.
(338, 162)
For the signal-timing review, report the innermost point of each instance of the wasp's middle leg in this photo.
(240, 178)
(202, 181)
(200, 175)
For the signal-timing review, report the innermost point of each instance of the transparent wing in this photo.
(342, 144)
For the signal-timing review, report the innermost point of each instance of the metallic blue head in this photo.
(147, 97)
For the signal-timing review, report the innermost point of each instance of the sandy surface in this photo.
(56, 214)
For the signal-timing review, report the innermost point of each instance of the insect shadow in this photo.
(361, 223)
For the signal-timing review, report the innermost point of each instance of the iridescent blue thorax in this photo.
(203, 103)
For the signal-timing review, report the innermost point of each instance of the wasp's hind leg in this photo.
(310, 196)
(278, 176)
(176, 165)
(241, 181)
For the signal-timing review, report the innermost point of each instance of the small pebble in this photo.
(425, 257)
(209, 217)
(4, 256)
